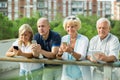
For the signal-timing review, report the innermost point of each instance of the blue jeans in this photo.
(31, 75)
(52, 73)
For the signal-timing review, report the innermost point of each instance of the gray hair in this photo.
(74, 19)
(103, 20)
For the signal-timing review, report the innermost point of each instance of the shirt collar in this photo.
(106, 38)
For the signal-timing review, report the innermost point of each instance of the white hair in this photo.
(103, 20)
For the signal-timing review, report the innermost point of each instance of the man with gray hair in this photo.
(103, 48)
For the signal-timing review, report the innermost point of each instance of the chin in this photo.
(102, 37)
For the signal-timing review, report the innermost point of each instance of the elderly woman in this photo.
(73, 47)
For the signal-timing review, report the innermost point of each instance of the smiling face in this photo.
(71, 27)
(25, 36)
(103, 29)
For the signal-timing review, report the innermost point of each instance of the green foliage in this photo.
(31, 21)
(56, 22)
(5, 27)
(115, 29)
(9, 29)
(60, 29)
(88, 26)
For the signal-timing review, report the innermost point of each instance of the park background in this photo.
(9, 31)
(9, 28)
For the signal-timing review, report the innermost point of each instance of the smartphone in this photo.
(64, 43)
(15, 47)
(34, 42)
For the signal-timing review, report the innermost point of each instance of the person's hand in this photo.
(36, 49)
(100, 56)
(92, 59)
(17, 52)
(59, 54)
(68, 49)
(63, 47)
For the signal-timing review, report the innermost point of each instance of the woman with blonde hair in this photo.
(73, 47)
(22, 47)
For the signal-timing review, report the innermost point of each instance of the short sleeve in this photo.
(56, 40)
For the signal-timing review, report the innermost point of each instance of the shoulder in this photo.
(65, 37)
(80, 36)
(113, 37)
(94, 38)
(53, 33)
(37, 36)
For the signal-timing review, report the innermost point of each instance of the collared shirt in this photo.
(24, 65)
(54, 40)
(109, 45)
(81, 45)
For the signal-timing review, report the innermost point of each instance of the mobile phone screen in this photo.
(15, 47)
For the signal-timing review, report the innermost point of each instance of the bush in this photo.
(9, 29)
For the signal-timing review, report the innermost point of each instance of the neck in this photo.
(45, 36)
(74, 36)
(25, 43)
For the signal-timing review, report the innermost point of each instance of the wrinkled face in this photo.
(71, 28)
(43, 28)
(25, 36)
(103, 29)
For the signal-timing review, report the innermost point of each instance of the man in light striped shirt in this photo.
(103, 47)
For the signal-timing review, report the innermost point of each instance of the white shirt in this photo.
(109, 45)
(27, 66)
(76, 71)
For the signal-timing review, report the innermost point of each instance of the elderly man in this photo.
(103, 48)
(48, 43)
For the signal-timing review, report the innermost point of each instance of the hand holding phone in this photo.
(16, 47)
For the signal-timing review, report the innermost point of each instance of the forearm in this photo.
(76, 55)
(110, 58)
(28, 55)
(10, 54)
(48, 54)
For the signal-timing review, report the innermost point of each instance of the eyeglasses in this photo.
(73, 18)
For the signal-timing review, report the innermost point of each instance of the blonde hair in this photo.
(22, 29)
(72, 19)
